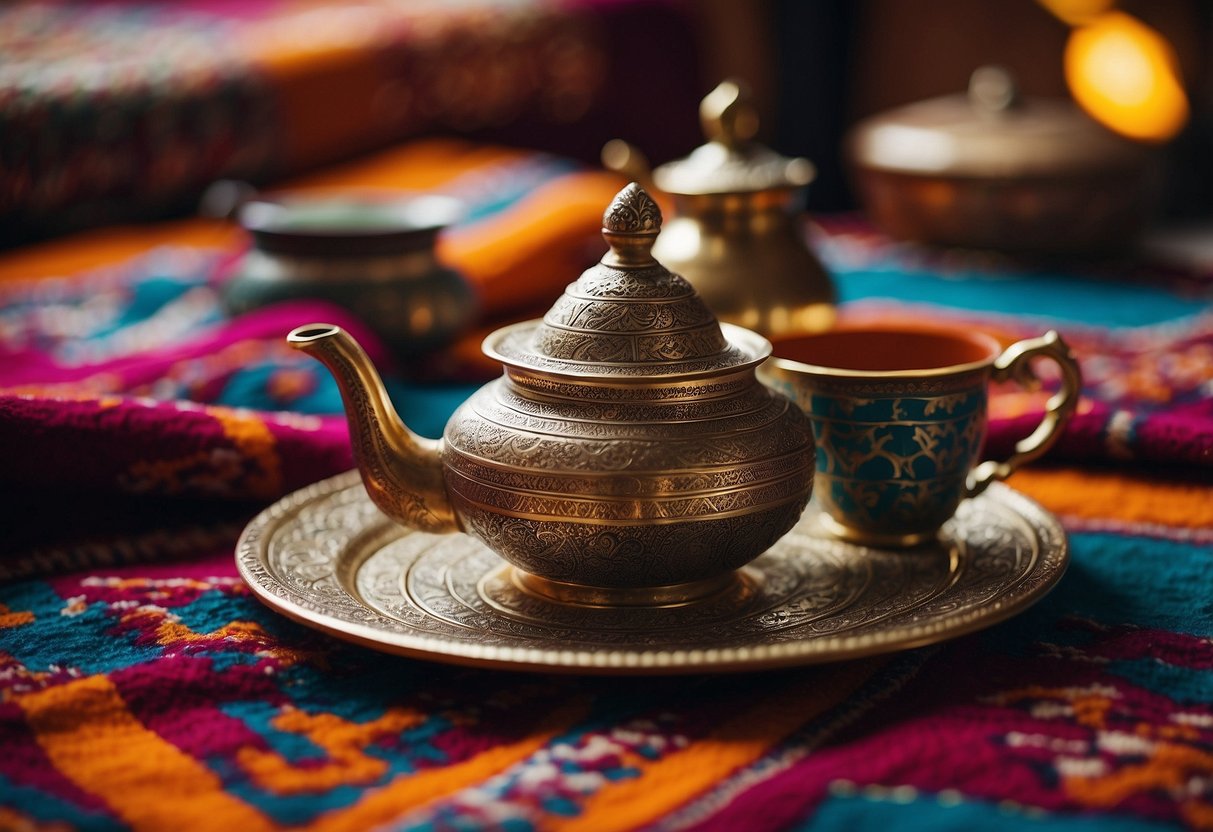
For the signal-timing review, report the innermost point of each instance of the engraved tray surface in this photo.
(328, 558)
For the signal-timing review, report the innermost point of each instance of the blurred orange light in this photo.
(1125, 75)
(1077, 12)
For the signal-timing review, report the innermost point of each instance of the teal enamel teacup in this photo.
(899, 417)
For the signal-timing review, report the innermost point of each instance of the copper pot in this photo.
(992, 169)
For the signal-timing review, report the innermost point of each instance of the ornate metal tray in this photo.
(328, 558)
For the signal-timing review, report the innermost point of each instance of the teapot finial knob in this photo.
(630, 225)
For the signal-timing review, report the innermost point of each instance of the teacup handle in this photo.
(1015, 364)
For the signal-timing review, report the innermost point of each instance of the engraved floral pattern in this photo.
(651, 283)
(647, 393)
(753, 398)
(605, 316)
(809, 598)
(630, 556)
(765, 410)
(637, 485)
(467, 493)
(632, 210)
(390, 487)
(624, 485)
(479, 430)
(516, 350)
(571, 345)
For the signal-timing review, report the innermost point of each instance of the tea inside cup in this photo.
(882, 351)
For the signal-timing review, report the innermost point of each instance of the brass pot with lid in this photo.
(735, 234)
(994, 169)
(627, 455)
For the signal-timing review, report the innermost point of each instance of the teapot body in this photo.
(627, 456)
(623, 487)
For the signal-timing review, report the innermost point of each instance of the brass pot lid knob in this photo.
(993, 91)
(728, 115)
(628, 319)
(730, 163)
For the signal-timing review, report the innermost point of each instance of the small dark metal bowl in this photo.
(371, 253)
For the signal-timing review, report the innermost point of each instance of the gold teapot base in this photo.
(670, 595)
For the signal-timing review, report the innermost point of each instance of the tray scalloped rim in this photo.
(253, 542)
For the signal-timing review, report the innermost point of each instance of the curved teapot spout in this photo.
(402, 471)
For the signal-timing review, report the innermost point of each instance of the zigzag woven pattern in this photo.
(142, 687)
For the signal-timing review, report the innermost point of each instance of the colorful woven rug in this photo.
(126, 109)
(142, 687)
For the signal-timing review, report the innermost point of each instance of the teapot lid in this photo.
(730, 162)
(989, 132)
(629, 317)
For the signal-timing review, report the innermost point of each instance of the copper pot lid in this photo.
(731, 162)
(628, 318)
(990, 132)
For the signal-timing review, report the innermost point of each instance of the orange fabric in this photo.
(152, 785)
(411, 791)
(511, 257)
(544, 239)
(671, 781)
(343, 743)
(518, 260)
(254, 440)
(148, 782)
(428, 163)
(1169, 768)
(106, 246)
(351, 76)
(8, 618)
(1127, 497)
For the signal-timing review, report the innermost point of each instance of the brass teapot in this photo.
(736, 234)
(627, 455)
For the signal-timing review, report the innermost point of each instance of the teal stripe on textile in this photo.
(1082, 301)
(292, 809)
(83, 641)
(425, 408)
(508, 187)
(488, 192)
(48, 808)
(1141, 603)
(1164, 584)
(926, 814)
(1185, 685)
